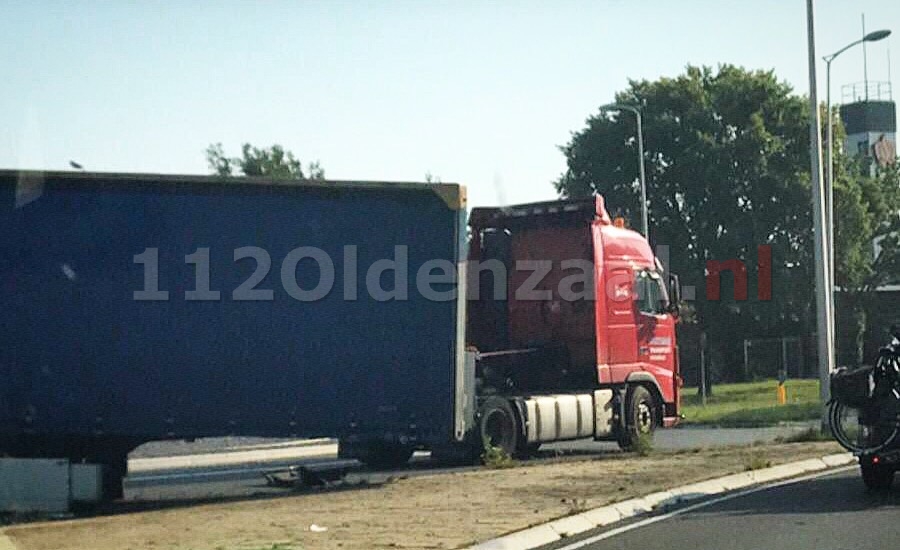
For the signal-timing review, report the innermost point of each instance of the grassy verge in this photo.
(421, 512)
(752, 404)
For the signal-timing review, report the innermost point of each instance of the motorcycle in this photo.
(864, 414)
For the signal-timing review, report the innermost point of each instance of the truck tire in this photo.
(877, 477)
(498, 426)
(378, 455)
(640, 417)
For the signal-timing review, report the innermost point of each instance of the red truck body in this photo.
(623, 333)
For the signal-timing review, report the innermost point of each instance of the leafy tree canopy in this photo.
(272, 162)
(727, 162)
(726, 153)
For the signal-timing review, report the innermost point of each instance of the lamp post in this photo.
(824, 297)
(645, 223)
(873, 36)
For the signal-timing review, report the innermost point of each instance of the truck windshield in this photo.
(650, 291)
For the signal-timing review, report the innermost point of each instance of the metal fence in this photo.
(766, 357)
(745, 360)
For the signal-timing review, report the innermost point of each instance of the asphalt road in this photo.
(690, 438)
(831, 512)
(244, 478)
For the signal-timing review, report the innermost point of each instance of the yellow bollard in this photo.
(782, 394)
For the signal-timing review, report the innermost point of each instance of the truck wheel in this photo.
(877, 477)
(640, 417)
(499, 426)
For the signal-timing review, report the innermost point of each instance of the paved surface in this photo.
(240, 478)
(689, 438)
(832, 512)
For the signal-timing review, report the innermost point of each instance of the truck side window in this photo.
(651, 293)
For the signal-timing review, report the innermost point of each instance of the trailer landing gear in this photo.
(115, 468)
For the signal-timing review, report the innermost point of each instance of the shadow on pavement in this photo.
(824, 495)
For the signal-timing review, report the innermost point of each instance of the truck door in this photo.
(655, 330)
(621, 318)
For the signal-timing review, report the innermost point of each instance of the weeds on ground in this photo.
(643, 445)
(756, 460)
(805, 436)
(576, 505)
(495, 457)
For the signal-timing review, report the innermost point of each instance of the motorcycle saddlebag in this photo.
(853, 386)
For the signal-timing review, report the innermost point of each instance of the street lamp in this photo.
(873, 36)
(824, 296)
(640, 139)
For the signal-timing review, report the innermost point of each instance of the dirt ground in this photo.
(440, 511)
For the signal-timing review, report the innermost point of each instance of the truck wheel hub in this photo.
(644, 417)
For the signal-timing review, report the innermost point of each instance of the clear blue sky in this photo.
(480, 93)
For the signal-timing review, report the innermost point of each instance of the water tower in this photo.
(869, 115)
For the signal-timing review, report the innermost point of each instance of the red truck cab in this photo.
(586, 307)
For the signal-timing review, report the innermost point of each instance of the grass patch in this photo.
(756, 460)
(496, 458)
(576, 505)
(807, 435)
(753, 404)
(643, 445)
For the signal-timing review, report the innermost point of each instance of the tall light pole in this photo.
(829, 181)
(645, 223)
(824, 297)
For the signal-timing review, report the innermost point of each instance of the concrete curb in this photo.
(599, 517)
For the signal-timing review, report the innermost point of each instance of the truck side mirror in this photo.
(674, 293)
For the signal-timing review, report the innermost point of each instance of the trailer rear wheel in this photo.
(641, 417)
(499, 426)
(877, 477)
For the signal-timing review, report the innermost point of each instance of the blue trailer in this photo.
(139, 307)
(145, 307)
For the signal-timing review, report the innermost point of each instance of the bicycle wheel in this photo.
(856, 436)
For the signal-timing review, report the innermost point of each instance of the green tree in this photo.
(727, 163)
(867, 243)
(272, 162)
(882, 199)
